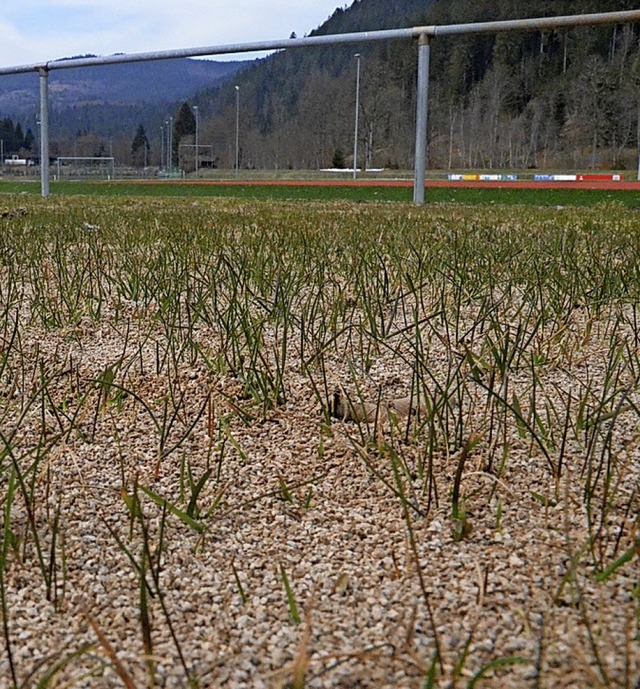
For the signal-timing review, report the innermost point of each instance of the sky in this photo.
(39, 30)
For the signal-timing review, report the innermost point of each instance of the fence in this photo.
(423, 35)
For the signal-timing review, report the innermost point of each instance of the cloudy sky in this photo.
(39, 30)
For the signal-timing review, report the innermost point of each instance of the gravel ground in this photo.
(302, 564)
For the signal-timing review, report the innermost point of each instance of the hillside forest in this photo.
(563, 99)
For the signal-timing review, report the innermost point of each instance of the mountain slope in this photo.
(110, 98)
(512, 100)
(150, 82)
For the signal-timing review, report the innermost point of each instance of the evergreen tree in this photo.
(184, 125)
(8, 135)
(140, 147)
(18, 137)
(338, 161)
(29, 141)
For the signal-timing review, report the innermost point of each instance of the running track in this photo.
(524, 184)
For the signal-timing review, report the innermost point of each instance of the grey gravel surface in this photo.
(293, 493)
(319, 552)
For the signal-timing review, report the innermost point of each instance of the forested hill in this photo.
(564, 98)
(109, 100)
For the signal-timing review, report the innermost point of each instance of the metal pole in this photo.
(195, 110)
(422, 113)
(167, 153)
(237, 129)
(355, 137)
(638, 141)
(44, 131)
(166, 145)
(170, 152)
(161, 147)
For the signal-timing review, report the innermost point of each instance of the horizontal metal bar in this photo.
(22, 69)
(229, 49)
(336, 39)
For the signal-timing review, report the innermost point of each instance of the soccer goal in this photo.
(85, 167)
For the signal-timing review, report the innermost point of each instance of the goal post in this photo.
(85, 167)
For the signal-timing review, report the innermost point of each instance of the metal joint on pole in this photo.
(422, 111)
(44, 130)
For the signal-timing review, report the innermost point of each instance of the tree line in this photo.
(558, 98)
(14, 140)
(554, 99)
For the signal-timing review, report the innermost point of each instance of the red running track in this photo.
(524, 184)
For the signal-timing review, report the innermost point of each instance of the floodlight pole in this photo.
(355, 136)
(638, 141)
(170, 146)
(162, 147)
(420, 167)
(167, 155)
(44, 131)
(195, 111)
(237, 129)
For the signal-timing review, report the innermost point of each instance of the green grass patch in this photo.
(533, 197)
(335, 192)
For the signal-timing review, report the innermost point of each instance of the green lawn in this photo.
(532, 197)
